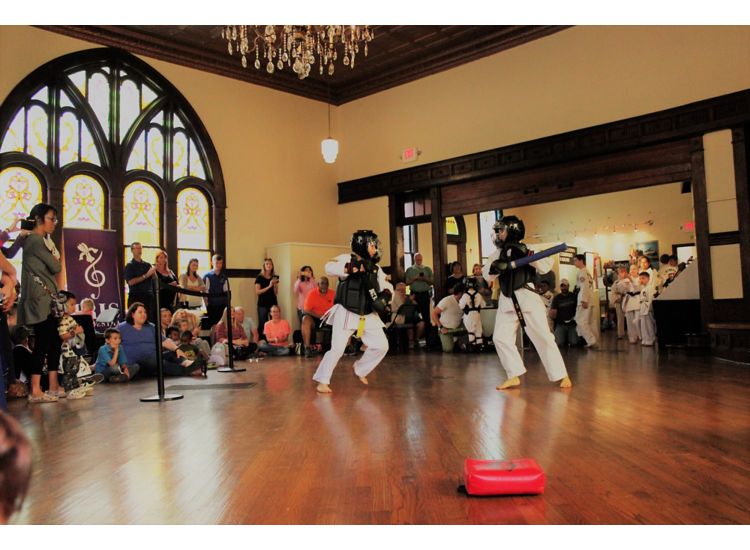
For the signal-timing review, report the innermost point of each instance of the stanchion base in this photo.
(167, 397)
(229, 369)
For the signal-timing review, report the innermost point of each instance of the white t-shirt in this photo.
(450, 312)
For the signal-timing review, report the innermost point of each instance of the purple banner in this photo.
(91, 267)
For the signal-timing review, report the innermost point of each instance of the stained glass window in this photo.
(192, 219)
(37, 133)
(137, 160)
(179, 156)
(13, 140)
(196, 164)
(155, 151)
(130, 106)
(68, 138)
(88, 147)
(98, 97)
(451, 227)
(141, 214)
(20, 190)
(83, 203)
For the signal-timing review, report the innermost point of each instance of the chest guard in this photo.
(360, 292)
(511, 280)
(471, 306)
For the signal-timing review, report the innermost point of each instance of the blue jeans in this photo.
(274, 350)
(108, 371)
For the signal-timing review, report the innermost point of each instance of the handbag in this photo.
(58, 302)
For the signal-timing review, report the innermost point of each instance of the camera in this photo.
(421, 273)
(303, 277)
(276, 277)
(28, 224)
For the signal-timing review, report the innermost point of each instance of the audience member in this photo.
(12, 250)
(448, 317)
(193, 352)
(173, 333)
(167, 280)
(303, 286)
(456, 277)
(316, 304)
(139, 343)
(41, 265)
(251, 331)
(546, 293)
(266, 287)
(88, 307)
(241, 345)
(216, 282)
(138, 276)
(15, 467)
(166, 319)
(191, 281)
(112, 361)
(277, 332)
(483, 287)
(419, 278)
(71, 333)
(399, 317)
(186, 319)
(562, 311)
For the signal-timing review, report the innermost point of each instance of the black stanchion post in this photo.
(230, 324)
(161, 395)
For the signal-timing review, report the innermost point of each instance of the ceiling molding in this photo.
(398, 54)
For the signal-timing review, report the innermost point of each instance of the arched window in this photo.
(20, 190)
(192, 229)
(111, 144)
(141, 219)
(83, 203)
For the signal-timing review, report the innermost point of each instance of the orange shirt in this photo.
(318, 303)
(277, 331)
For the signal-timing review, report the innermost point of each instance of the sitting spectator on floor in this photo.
(251, 331)
(166, 319)
(277, 332)
(316, 304)
(186, 319)
(112, 362)
(483, 287)
(192, 351)
(241, 345)
(173, 333)
(562, 311)
(139, 342)
(447, 316)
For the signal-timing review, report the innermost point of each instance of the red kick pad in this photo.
(520, 476)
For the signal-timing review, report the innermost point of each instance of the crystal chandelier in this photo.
(297, 46)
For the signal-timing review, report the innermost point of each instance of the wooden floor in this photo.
(643, 437)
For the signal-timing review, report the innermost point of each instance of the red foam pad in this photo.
(519, 476)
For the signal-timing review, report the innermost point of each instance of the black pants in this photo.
(6, 351)
(170, 361)
(423, 306)
(263, 316)
(214, 312)
(46, 346)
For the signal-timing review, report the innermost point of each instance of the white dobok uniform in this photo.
(583, 315)
(472, 319)
(631, 305)
(345, 323)
(535, 316)
(646, 317)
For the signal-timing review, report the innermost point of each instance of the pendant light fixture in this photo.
(329, 146)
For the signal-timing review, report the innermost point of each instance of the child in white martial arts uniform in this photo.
(517, 297)
(646, 314)
(631, 305)
(359, 298)
(470, 303)
(585, 285)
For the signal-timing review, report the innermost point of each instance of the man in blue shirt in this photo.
(216, 281)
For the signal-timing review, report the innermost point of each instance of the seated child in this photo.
(173, 333)
(87, 307)
(71, 333)
(111, 360)
(192, 351)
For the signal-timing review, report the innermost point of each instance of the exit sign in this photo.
(688, 226)
(410, 154)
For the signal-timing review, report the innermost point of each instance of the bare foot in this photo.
(566, 383)
(510, 383)
(363, 379)
(323, 388)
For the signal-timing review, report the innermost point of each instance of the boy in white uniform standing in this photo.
(585, 285)
(360, 296)
(518, 300)
(646, 317)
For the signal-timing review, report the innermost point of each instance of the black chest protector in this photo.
(513, 279)
(471, 306)
(359, 290)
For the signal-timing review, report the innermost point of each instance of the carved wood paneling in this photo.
(671, 125)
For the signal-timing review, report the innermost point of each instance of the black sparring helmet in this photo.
(514, 226)
(361, 239)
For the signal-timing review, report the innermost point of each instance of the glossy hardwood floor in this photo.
(643, 437)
